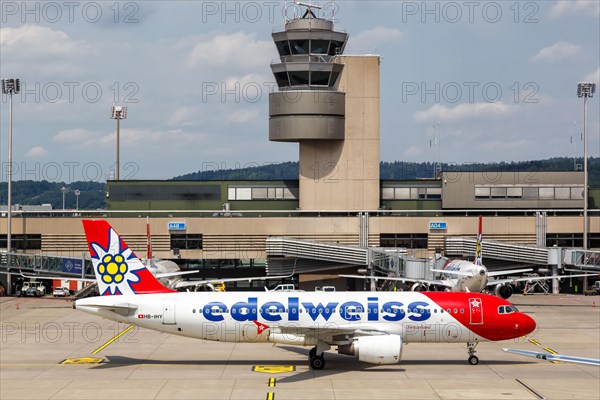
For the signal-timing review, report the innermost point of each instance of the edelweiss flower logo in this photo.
(112, 267)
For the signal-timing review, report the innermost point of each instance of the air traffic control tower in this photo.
(328, 102)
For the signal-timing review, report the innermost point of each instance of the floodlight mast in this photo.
(118, 113)
(585, 90)
(10, 87)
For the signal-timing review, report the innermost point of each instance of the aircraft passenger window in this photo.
(327, 310)
(233, 311)
(449, 311)
(462, 310)
(194, 311)
(455, 311)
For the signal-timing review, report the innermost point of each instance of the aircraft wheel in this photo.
(473, 360)
(317, 362)
(312, 353)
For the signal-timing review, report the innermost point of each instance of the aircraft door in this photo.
(169, 312)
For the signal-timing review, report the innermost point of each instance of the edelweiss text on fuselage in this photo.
(350, 311)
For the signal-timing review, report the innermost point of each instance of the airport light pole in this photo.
(10, 87)
(585, 90)
(77, 193)
(64, 191)
(118, 113)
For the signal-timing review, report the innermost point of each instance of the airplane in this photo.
(372, 326)
(554, 357)
(467, 276)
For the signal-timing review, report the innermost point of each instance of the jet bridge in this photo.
(289, 255)
(465, 247)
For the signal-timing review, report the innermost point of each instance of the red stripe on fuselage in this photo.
(486, 322)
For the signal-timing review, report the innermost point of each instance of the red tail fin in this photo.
(117, 269)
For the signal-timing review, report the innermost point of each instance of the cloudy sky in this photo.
(497, 80)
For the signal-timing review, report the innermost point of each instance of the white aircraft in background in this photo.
(555, 357)
(372, 326)
(467, 276)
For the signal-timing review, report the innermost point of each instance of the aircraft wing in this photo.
(404, 280)
(458, 273)
(170, 274)
(183, 284)
(339, 334)
(534, 278)
(508, 272)
(554, 357)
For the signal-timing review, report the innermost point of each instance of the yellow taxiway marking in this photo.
(273, 369)
(82, 360)
(271, 382)
(270, 396)
(548, 349)
(99, 349)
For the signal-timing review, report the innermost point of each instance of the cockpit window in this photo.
(507, 309)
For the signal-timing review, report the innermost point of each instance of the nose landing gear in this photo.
(473, 359)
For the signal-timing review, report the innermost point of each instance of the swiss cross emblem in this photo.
(261, 327)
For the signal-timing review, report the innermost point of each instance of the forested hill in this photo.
(93, 194)
(398, 170)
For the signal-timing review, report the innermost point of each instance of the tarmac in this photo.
(46, 348)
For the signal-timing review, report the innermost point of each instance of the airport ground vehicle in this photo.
(594, 290)
(34, 290)
(61, 292)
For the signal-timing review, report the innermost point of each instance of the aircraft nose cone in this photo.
(526, 325)
(482, 272)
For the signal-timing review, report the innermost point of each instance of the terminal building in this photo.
(325, 222)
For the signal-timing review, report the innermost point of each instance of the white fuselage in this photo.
(288, 317)
(473, 278)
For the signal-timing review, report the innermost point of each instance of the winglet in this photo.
(117, 268)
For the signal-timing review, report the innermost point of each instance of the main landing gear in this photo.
(316, 360)
(473, 360)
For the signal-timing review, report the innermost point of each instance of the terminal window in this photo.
(262, 193)
(411, 193)
(186, 241)
(527, 192)
(22, 242)
(404, 240)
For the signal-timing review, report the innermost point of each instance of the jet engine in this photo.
(419, 287)
(380, 349)
(504, 290)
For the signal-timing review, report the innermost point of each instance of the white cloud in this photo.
(463, 112)
(412, 152)
(37, 151)
(565, 7)
(593, 76)
(558, 51)
(72, 136)
(32, 42)
(370, 39)
(231, 50)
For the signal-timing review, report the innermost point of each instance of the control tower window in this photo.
(299, 78)
(319, 78)
(283, 48)
(319, 46)
(335, 48)
(334, 77)
(282, 79)
(299, 46)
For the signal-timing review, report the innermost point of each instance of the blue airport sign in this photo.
(72, 265)
(438, 225)
(177, 226)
